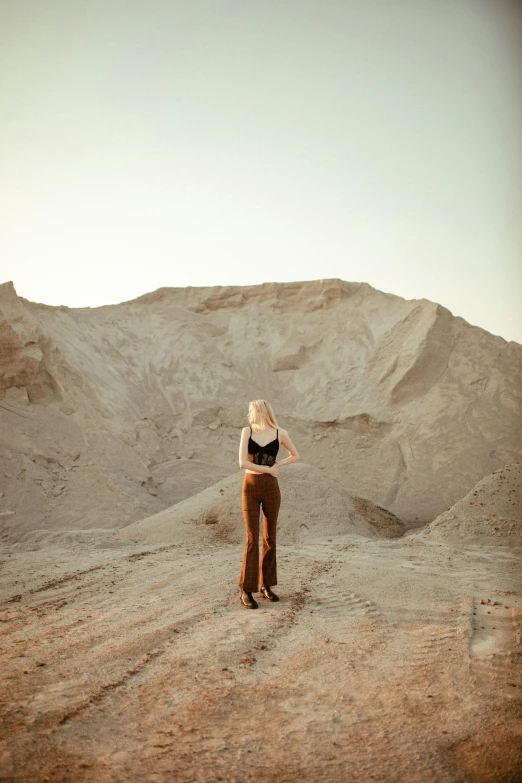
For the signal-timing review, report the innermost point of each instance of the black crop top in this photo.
(263, 455)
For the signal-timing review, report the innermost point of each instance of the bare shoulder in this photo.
(284, 437)
(285, 440)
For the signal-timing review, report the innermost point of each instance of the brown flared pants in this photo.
(259, 490)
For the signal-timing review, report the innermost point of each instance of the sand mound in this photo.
(113, 414)
(491, 513)
(312, 506)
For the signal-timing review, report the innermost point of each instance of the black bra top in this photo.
(263, 455)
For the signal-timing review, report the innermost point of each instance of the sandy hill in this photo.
(112, 414)
(126, 653)
(214, 515)
(491, 513)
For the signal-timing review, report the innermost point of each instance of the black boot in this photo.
(267, 593)
(248, 601)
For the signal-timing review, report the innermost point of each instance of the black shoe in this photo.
(248, 601)
(267, 593)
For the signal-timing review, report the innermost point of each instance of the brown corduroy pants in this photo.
(259, 490)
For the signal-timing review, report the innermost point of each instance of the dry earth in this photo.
(386, 659)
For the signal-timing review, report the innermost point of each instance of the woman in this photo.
(258, 447)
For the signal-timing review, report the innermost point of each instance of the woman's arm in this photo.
(244, 462)
(284, 440)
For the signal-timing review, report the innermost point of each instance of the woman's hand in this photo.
(273, 471)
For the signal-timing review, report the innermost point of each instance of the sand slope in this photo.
(215, 515)
(112, 414)
(491, 513)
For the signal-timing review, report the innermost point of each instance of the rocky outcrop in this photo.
(26, 354)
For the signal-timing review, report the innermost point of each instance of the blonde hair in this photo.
(263, 414)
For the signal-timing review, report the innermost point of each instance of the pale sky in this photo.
(150, 143)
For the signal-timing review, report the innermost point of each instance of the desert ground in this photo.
(386, 659)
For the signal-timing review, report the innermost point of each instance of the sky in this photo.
(151, 143)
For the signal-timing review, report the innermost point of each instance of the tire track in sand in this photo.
(495, 648)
